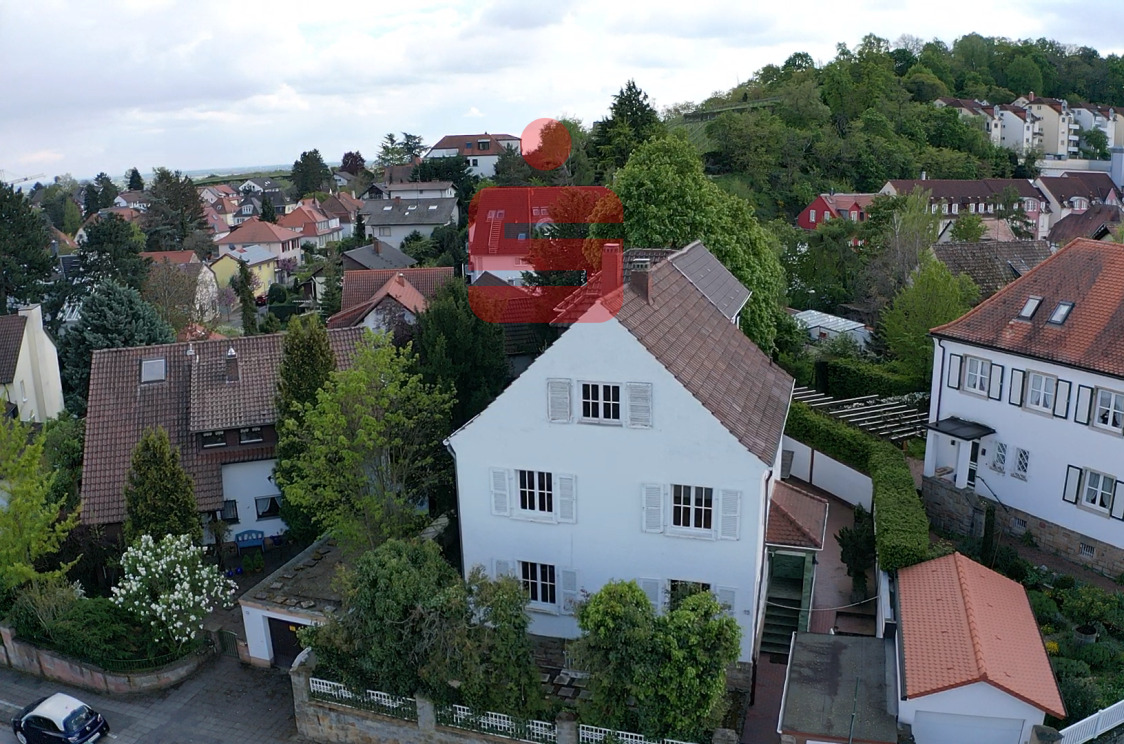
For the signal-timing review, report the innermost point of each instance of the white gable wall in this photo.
(686, 445)
(245, 482)
(977, 699)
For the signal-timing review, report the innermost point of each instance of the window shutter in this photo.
(500, 506)
(569, 590)
(652, 496)
(1072, 484)
(558, 401)
(640, 405)
(727, 597)
(1084, 407)
(954, 361)
(1061, 399)
(1015, 389)
(729, 525)
(1118, 501)
(995, 382)
(567, 498)
(653, 588)
(503, 568)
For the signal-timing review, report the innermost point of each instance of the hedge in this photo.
(853, 378)
(901, 526)
(285, 310)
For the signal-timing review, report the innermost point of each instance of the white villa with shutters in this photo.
(643, 447)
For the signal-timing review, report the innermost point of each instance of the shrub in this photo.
(1045, 609)
(96, 630)
(1010, 564)
(1065, 581)
(901, 526)
(40, 605)
(1081, 696)
(851, 378)
(1086, 605)
(1102, 655)
(277, 294)
(1064, 667)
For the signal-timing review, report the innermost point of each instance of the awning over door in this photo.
(969, 431)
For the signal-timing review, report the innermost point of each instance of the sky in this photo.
(208, 84)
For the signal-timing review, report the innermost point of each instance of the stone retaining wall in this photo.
(53, 666)
(961, 511)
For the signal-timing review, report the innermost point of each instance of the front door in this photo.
(286, 647)
(973, 461)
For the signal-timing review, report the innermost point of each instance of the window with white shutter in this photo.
(652, 507)
(653, 589)
(500, 502)
(566, 505)
(558, 401)
(569, 590)
(639, 405)
(729, 525)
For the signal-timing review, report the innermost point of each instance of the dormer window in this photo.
(250, 435)
(1030, 308)
(153, 370)
(214, 439)
(1061, 312)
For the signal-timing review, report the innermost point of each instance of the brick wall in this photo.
(961, 511)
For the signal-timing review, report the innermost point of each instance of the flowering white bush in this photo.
(167, 586)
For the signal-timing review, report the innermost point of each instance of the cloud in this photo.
(473, 113)
(41, 157)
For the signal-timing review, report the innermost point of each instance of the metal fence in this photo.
(1095, 725)
(497, 724)
(595, 735)
(405, 708)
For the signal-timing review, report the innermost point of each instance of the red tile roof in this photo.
(963, 623)
(359, 286)
(458, 141)
(175, 257)
(254, 230)
(1088, 273)
(968, 190)
(397, 288)
(796, 518)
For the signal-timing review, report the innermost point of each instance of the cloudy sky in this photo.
(208, 84)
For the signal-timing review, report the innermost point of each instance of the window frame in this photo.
(246, 433)
(999, 457)
(1114, 399)
(536, 583)
(1052, 394)
(384, 232)
(982, 375)
(1087, 477)
(541, 490)
(219, 433)
(600, 403)
(1021, 469)
(269, 513)
(698, 507)
(230, 503)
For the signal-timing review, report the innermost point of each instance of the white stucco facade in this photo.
(612, 484)
(246, 483)
(36, 385)
(394, 234)
(259, 640)
(1069, 453)
(979, 708)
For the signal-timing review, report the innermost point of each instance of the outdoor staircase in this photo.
(782, 615)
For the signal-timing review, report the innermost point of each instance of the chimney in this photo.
(397, 200)
(612, 267)
(378, 247)
(231, 366)
(640, 280)
(401, 279)
(924, 176)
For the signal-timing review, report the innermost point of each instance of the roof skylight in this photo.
(1061, 312)
(1030, 308)
(152, 370)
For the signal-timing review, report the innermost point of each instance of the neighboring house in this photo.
(261, 262)
(360, 286)
(377, 255)
(1098, 222)
(521, 342)
(391, 220)
(392, 308)
(312, 223)
(966, 663)
(173, 257)
(399, 173)
(226, 208)
(826, 207)
(216, 223)
(950, 198)
(280, 241)
(1027, 409)
(1055, 134)
(1108, 119)
(249, 207)
(342, 179)
(137, 200)
(206, 285)
(982, 111)
(1016, 128)
(1075, 192)
(211, 194)
(345, 208)
(259, 186)
(822, 327)
(412, 190)
(482, 151)
(216, 400)
(994, 264)
(556, 479)
(128, 214)
(30, 384)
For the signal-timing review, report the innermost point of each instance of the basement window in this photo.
(1088, 551)
(1061, 312)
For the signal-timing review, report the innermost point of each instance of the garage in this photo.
(941, 728)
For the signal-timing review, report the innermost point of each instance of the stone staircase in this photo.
(782, 615)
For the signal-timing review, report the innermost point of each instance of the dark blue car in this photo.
(59, 719)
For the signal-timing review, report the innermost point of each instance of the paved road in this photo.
(223, 703)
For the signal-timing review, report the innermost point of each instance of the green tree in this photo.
(25, 264)
(175, 213)
(111, 251)
(71, 217)
(1024, 76)
(1009, 208)
(171, 292)
(669, 202)
(923, 85)
(270, 324)
(65, 437)
(159, 494)
(935, 297)
(370, 456)
(967, 228)
(856, 547)
(1094, 144)
(112, 317)
(106, 189)
(307, 361)
(459, 351)
(31, 522)
(632, 121)
(332, 297)
(309, 173)
(136, 183)
(360, 227)
(353, 163)
(902, 229)
(454, 169)
(244, 285)
(268, 213)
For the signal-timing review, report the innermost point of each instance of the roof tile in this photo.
(11, 339)
(993, 264)
(796, 518)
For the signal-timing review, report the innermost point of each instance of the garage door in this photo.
(942, 728)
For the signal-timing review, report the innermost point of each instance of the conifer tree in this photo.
(159, 494)
(243, 286)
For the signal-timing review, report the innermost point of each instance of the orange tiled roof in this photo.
(397, 287)
(175, 257)
(361, 284)
(796, 518)
(963, 623)
(254, 230)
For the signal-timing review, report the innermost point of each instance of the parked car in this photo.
(59, 718)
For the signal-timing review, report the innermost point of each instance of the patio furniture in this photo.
(250, 539)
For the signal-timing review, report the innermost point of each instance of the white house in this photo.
(412, 190)
(1028, 408)
(30, 385)
(640, 446)
(482, 151)
(391, 220)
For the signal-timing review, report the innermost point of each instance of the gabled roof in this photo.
(963, 623)
(1064, 188)
(840, 203)
(254, 230)
(415, 186)
(967, 190)
(1099, 183)
(1095, 222)
(712, 278)
(251, 254)
(397, 288)
(796, 518)
(175, 257)
(488, 279)
(134, 197)
(1019, 112)
(193, 397)
(126, 213)
(11, 340)
(458, 142)
(380, 255)
(1088, 273)
(360, 286)
(992, 265)
(389, 212)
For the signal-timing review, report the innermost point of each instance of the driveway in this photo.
(224, 703)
